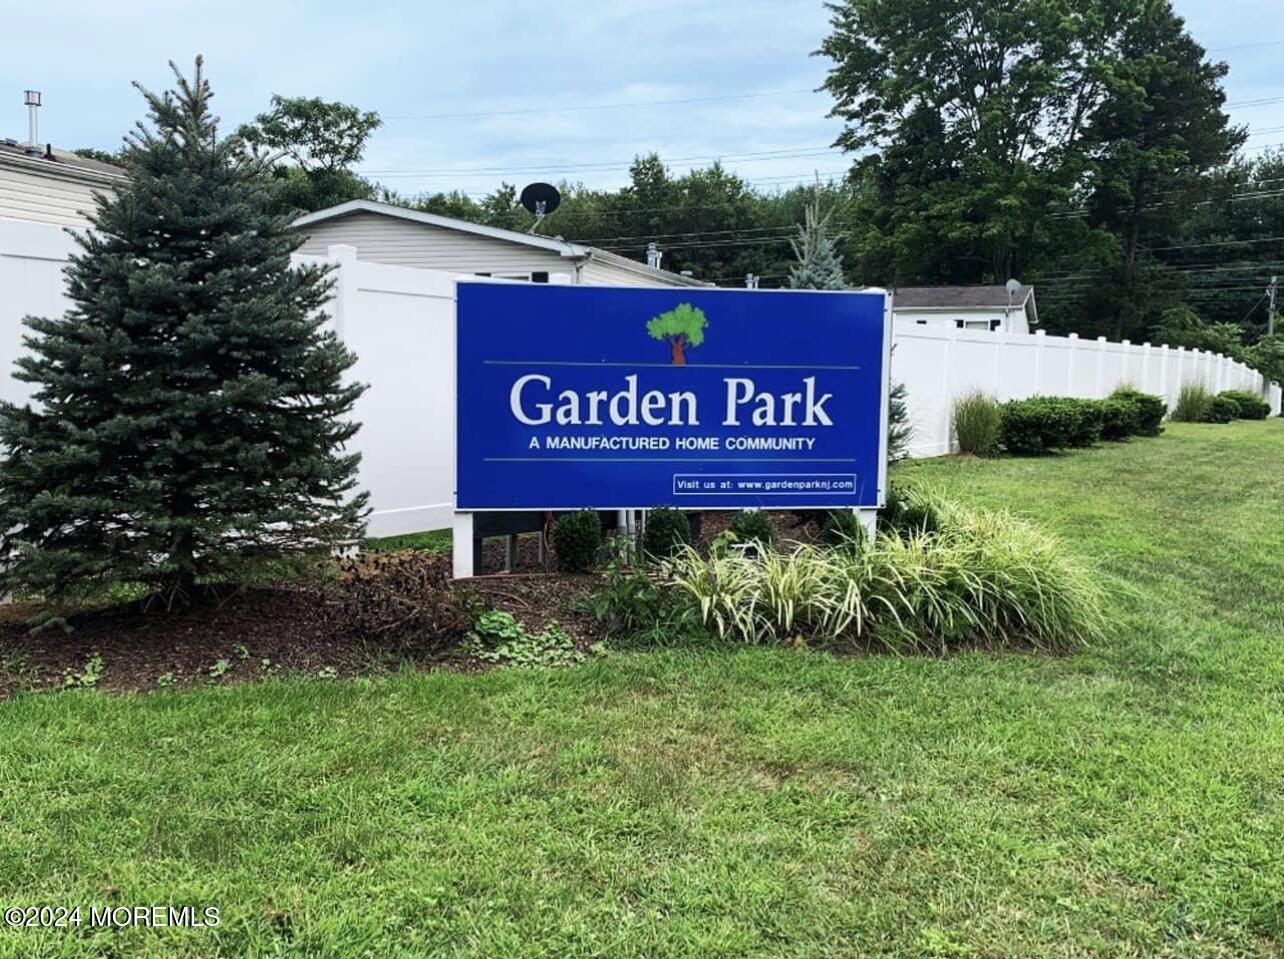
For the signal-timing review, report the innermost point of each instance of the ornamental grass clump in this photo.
(977, 421)
(981, 577)
(1194, 404)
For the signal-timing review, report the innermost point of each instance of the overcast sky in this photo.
(472, 93)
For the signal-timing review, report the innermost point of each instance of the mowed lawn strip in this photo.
(1126, 801)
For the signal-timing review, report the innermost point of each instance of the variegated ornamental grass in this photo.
(979, 576)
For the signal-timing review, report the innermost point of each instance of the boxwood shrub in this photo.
(1222, 409)
(1042, 424)
(1148, 411)
(1118, 419)
(577, 538)
(1251, 406)
(667, 531)
(752, 526)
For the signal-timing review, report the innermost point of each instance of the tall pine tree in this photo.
(192, 411)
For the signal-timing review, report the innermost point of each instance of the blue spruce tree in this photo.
(191, 411)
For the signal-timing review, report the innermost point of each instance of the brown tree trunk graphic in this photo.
(679, 344)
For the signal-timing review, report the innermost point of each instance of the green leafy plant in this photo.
(752, 526)
(1194, 404)
(667, 531)
(88, 676)
(577, 538)
(220, 669)
(1251, 406)
(498, 638)
(632, 605)
(977, 422)
(981, 577)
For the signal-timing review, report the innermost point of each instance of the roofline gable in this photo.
(561, 247)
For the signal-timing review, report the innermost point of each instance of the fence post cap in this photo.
(1074, 336)
(341, 251)
(1040, 332)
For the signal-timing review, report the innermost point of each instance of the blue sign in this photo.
(613, 398)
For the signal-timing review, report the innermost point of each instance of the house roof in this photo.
(58, 162)
(554, 244)
(959, 297)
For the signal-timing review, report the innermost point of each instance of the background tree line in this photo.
(1081, 146)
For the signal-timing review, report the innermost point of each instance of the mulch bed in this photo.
(293, 628)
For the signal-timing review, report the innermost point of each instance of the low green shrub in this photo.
(1044, 424)
(841, 529)
(667, 530)
(1118, 419)
(577, 538)
(1194, 404)
(1251, 406)
(982, 577)
(1223, 409)
(1148, 410)
(977, 421)
(752, 526)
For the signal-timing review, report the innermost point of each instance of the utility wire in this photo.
(599, 106)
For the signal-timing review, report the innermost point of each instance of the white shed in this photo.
(967, 307)
(398, 236)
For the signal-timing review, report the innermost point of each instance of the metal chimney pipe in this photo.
(32, 99)
(653, 255)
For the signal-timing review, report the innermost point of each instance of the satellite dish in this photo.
(541, 199)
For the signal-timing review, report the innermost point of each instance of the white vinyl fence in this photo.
(938, 364)
(400, 322)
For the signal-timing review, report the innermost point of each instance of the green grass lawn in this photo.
(1127, 801)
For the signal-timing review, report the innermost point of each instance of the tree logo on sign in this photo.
(683, 327)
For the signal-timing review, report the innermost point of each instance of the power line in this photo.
(1193, 246)
(786, 153)
(579, 108)
(1260, 102)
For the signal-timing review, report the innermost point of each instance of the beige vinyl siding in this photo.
(386, 239)
(44, 198)
(597, 273)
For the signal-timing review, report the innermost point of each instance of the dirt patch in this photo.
(309, 627)
(248, 634)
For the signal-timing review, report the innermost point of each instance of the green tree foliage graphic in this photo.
(682, 326)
